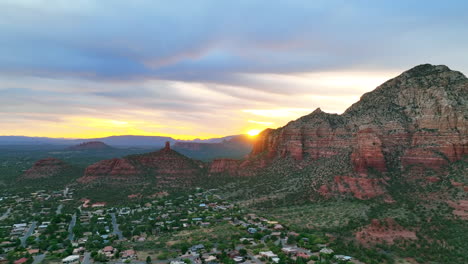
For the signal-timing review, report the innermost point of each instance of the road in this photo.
(5, 215)
(38, 259)
(115, 226)
(59, 209)
(71, 236)
(254, 259)
(28, 234)
(86, 258)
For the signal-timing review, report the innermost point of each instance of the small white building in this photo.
(22, 225)
(343, 258)
(71, 259)
(289, 250)
(268, 254)
(327, 251)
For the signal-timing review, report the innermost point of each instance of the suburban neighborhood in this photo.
(200, 227)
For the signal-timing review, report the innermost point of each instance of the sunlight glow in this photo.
(254, 132)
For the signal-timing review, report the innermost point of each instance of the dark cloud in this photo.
(210, 40)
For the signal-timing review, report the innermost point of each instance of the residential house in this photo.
(71, 259)
(129, 254)
(21, 261)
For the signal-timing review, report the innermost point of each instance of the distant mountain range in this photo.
(114, 141)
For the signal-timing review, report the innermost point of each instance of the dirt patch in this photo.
(383, 231)
(460, 208)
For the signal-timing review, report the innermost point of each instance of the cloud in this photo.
(208, 67)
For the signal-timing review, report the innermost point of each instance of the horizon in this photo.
(208, 69)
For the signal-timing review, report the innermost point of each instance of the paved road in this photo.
(71, 236)
(115, 226)
(59, 209)
(38, 259)
(5, 215)
(28, 234)
(86, 258)
(256, 260)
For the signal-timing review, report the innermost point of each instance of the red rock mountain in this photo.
(46, 168)
(417, 120)
(91, 145)
(165, 167)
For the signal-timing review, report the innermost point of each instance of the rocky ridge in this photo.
(416, 120)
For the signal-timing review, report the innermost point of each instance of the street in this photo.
(38, 259)
(116, 226)
(59, 209)
(5, 215)
(28, 234)
(71, 236)
(86, 258)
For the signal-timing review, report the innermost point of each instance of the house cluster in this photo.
(197, 210)
(32, 223)
(69, 234)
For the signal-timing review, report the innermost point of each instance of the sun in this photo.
(254, 132)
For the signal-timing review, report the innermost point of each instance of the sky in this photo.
(201, 69)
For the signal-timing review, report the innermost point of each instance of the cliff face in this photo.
(418, 119)
(45, 168)
(165, 167)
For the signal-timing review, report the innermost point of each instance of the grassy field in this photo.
(216, 234)
(323, 215)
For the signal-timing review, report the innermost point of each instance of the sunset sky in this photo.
(189, 69)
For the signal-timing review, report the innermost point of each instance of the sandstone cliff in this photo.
(418, 120)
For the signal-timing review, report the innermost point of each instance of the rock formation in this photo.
(45, 168)
(417, 120)
(165, 167)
